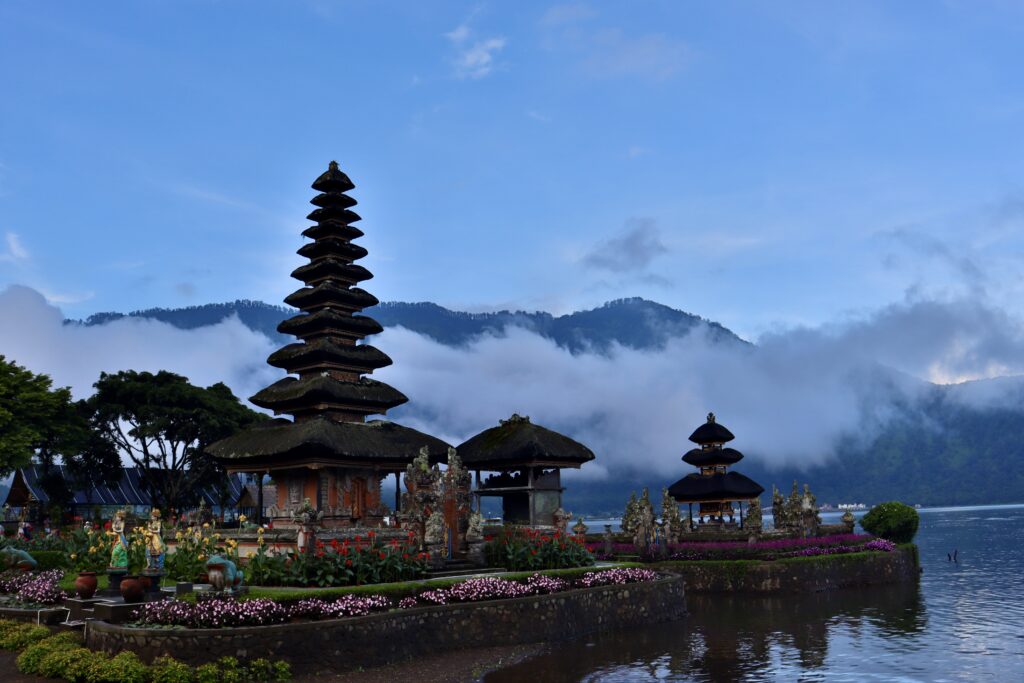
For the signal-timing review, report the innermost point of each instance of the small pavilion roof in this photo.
(517, 442)
(697, 488)
(711, 432)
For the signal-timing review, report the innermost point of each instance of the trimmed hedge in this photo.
(893, 521)
(63, 656)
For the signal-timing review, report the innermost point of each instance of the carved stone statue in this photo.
(119, 551)
(475, 531)
(848, 521)
(307, 519)
(13, 557)
(223, 573)
(779, 509)
(434, 533)
(670, 517)
(753, 520)
(643, 534)
(560, 518)
(156, 549)
(580, 529)
(629, 517)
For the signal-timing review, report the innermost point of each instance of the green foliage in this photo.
(19, 635)
(51, 559)
(170, 670)
(125, 667)
(34, 416)
(892, 521)
(208, 673)
(520, 549)
(164, 424)
(70, 663)
(29, 660)
(364, 561)
(62, 656)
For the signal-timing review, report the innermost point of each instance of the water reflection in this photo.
(729, 638)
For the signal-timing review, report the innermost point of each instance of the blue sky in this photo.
(761, 164)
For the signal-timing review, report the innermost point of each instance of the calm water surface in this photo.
(963, 622)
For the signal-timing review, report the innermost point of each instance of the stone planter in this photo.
(85, 584)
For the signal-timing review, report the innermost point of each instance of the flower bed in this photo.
(31, 590)
(339, 563)
(227, 612)
(762, 550)
(522, 548)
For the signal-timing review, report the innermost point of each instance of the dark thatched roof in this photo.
(697, 488)
(711, 432)
(330, 268)
(329, 294)
(292, 444)
(698, 457)
(333, 180)
(327, 320)
(517, 442)
(325, 352)
(332, 246)
(290, 393)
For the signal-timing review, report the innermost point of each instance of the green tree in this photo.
(34, 417)
(163, 424)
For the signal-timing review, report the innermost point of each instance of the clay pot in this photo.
(132, 589)
(85, 584)
(146, 582)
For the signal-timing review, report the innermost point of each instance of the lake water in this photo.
(964, 621)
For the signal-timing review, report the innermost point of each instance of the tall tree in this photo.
(162, 424)
(34, 417)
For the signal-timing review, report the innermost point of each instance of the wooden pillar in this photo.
(690, 507)
(259, 499)
(398, 493)
(529, 496)
(741, 513)
(479, 498)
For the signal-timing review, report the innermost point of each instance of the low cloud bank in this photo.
(788, 399)
(33, 334)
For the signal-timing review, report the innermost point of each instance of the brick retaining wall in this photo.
(344, 644)
(810, 575)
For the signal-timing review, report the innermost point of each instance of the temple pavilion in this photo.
(713, 487)
(329, 452)
(526, 461)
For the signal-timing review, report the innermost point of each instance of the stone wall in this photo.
(344, 644)
(799, 575)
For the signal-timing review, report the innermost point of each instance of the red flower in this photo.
(382, 554)
(348, 563)
(344, 551)
(372, 534)
(405, 556)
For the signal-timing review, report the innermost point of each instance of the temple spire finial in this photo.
(711, 418)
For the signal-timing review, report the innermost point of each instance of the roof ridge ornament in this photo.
(711, 418)
(515, 419)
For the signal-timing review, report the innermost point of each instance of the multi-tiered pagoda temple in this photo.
(713, 486)
(329, 452)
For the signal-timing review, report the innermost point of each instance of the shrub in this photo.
(22, 635)
(123, 668)
(170, 670)
(282, 671)
(72, 664)
(518, 549)
(207, 673)
(259, 671)
(892, 521)
(50, 559)
(28, 661)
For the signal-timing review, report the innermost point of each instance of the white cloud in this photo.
(74, 355)
(475, 58)
(16, 251)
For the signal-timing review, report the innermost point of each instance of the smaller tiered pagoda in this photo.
(713, 487)
(526, 460)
